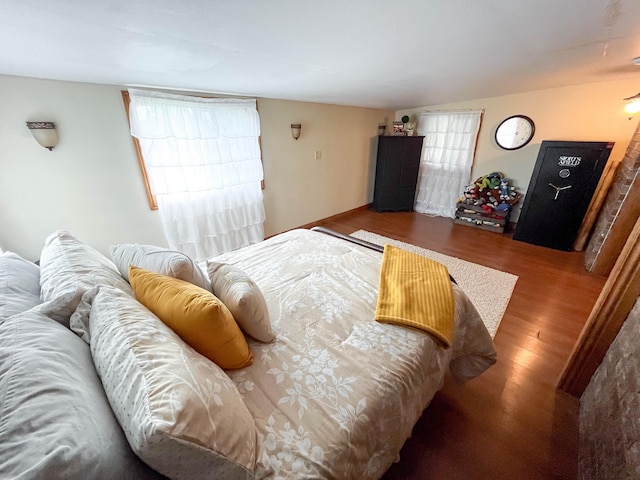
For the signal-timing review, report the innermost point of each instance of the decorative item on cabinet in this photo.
(410, 128)
(398, 128)
(397, 165)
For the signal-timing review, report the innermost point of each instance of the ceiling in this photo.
(371, 53)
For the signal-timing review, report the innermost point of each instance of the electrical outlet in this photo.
(317, 155)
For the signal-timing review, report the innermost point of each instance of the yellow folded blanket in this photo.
(416, 291)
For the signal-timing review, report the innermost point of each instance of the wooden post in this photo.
(606, 318)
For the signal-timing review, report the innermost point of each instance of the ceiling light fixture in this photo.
(296, 128)
(44, 133)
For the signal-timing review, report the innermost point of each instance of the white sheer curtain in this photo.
(447, 155)
(203, 160)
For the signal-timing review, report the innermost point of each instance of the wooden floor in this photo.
(511, 422)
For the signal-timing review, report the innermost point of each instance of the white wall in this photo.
(90, 184)
(299, 188)
(588, 112)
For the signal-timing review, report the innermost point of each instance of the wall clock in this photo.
(515, 132)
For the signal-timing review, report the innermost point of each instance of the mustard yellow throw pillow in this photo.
(195, 314)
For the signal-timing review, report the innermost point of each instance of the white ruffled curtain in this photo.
(203, 161)
(447, 155)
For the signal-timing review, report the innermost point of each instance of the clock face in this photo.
(515, 132)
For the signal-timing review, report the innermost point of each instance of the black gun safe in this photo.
(563, 182)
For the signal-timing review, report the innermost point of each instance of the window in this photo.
(447, 156)
(200, 159)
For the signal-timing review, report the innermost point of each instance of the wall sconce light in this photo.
(44, 133)
(633, 105)
(296, 128)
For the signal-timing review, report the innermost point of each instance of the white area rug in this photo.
(488, 289)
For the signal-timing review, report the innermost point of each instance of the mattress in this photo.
(337, 394)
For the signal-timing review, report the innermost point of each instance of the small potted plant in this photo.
(409, 127)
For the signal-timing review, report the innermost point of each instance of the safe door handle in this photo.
(558, 189)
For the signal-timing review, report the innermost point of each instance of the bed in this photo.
(334, 395)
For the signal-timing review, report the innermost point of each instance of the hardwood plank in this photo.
(511, 422)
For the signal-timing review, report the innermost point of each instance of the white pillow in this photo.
(19, 285)
(243, 298)
(56, 420)
(180, 412)
(159, 260)
(68, 268)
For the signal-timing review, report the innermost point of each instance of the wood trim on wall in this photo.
(612, 307)
(596, 204)
(324, 221)
(153, 204)
(619, 232)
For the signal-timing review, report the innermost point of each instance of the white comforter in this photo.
(337, 394)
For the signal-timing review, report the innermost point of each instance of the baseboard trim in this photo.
(326, 220)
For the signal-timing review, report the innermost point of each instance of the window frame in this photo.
(153, 203)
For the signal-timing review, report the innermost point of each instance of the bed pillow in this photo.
(68, 268)
(180, 412)
(56, 420)
(19, 285)
(195, 314)
(243, 298)
(158, 260)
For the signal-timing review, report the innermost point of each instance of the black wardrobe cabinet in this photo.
(563, 182)
(397, 166)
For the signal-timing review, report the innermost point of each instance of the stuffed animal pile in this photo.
(492, 192)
